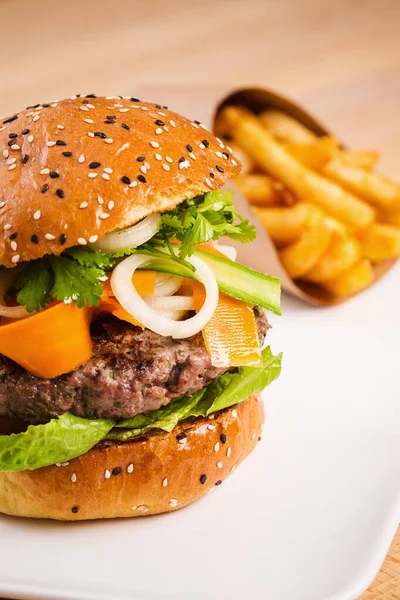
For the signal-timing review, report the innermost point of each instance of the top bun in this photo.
(74, 170)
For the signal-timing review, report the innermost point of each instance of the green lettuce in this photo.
(57, 441)
(227, 390)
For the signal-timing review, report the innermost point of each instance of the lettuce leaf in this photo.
(227, 390)
(57, 441)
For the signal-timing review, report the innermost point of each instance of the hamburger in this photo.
(132, 344)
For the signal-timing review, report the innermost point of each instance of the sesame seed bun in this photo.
(158, 473)
(73, 170)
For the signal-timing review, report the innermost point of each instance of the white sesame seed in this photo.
(110, 205)
(210, 427)
(90, 121)
(45, 171)
(202, 146)
(203, 126)
(168, 159)
(166, 128)
(233, 161)
(253, 437)
(134, 507)
(90, 134)
(158, 157)
(166, 167)
(11, 161)
(229, 452)
(15, 258)
(100, 200)
(133, 184)
(60, 127)
(90, 106)
(36, 118)
(31, 138)
(7, 226)
(208, 182)
(185, 164)
(229, 149)
(173, 502)
(107, 170)
(14, 246)
(219, 465)
(117, 105)
(15, 147)
(3, 128)
(104, 216)
(85, 108)
(165, 482)
(105, 176)
(216, 447)
(108, 140)
(50, 236)
(124, 110)
(146, 164)
(54, 105)
(130, 468)
(82, 241)
(219, 154)
(6, 153)
(107, 474)
(172, 123)
(82, 158)
(143, 107)
(155, 144)
(143, 169)
(192, 156)
(2, 204)
(162, 114)
(234, 413)
(158, 130)
(143, 509)
(93, 239)
(65, 464)
(11, 167)
(37, 215)
(50, 144)
(92, 175)
(84, 204)
(195, 125)
(73, 477)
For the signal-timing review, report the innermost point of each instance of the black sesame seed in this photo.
(54, 174)
(125, 126)
(12, 135)
(181, 436)
(182, 159)
(25, 159)
(198, 122)
(126, 180)
(160, 123)
(45, 188)
(212, 175)
(116, 471)
(25, 131)
(222, 437)
(60, 194)
(85, 101)
(218, 482)
(60, 143)
(63, 239)
(90, 96)
(34, 239)
(220, 169)
(206, 143)
(34, 106)
(10, 119)
(203, 479)
(13, 236)
(142, 178)
(165, 107)
(11, 142)
(100, 134)
(94, 165)
(78, 95)
(67, 154)
(135, 99)
(158, 106)
(259, 439)
(45, 105)
(75, 509)
(141, 158)
(189, 148)
(225, 154)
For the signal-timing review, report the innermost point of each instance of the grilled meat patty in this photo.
(131, 371)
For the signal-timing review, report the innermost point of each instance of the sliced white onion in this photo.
(11, 312)
(167, 284)
(229, 251)
(130, 238)
(171, 302)
(127, 296)
(176, 315)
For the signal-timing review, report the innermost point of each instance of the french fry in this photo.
(361, 159)
(300, 257)
(381, 242)
(315, 154)
(285, 128)
(355, 279)
(306, 185)
(285, 225)
(392, 218)
(262, 190)
(247, 163)
(341, 254)
(373, 187)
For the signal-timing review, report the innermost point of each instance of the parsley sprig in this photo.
(76, 275)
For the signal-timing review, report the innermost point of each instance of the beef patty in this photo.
(131, 371)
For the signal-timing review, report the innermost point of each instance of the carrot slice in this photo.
(231, 336)
(51, 342)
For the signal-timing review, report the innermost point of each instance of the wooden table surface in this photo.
(340, 59)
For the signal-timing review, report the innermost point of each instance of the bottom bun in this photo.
(154, 474)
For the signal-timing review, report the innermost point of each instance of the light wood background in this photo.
(340, 58)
